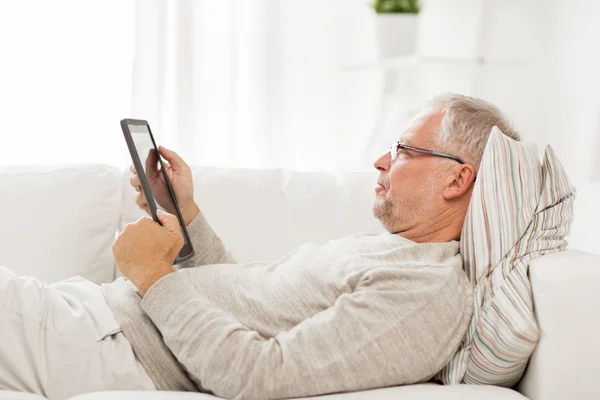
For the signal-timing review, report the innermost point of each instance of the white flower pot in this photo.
(396, 34)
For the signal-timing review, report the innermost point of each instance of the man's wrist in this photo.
(189, 213)
(154, 277)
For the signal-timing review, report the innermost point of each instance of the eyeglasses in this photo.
(397, 146)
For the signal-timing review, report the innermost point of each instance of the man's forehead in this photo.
(420, 131)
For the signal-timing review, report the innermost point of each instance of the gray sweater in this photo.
(360, 312)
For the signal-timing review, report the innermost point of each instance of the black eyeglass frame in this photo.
(397, 146)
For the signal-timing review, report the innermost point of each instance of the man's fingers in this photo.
(169, 221)
(132, 169)
(135, 182)
(140, 200)
(173, 158)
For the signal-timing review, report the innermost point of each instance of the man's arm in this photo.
(208, 247)
(391, 330)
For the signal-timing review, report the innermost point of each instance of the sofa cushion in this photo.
(519, 210)
(60, 221)
(11, 395)
(427, 391)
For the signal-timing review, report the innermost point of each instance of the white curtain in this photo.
(256, 83)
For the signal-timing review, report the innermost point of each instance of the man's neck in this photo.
(443, 227)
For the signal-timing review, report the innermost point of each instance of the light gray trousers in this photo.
(59, 340)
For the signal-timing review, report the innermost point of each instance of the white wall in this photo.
(576, 52)
(511, 35)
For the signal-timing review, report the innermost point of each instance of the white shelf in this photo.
(414, 60)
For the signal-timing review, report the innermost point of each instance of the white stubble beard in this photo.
(395, 216)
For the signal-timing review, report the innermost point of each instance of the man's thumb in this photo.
(173, 158)
(169, 221)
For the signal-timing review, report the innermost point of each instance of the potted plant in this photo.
(396, 27)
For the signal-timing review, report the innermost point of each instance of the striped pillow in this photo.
(519, 210)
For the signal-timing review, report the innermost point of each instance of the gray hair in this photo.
(466, 125)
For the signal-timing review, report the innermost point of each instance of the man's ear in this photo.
(462, 180)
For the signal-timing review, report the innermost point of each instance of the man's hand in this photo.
(180, 175)
(145, 251)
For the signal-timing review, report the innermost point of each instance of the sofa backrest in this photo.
(60, 221)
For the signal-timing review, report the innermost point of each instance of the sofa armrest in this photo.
(566, 294)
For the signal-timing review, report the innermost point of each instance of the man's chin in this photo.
(378, 209)
(383, 211)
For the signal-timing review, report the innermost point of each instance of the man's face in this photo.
(410, 188)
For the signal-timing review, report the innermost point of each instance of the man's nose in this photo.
(383, 162)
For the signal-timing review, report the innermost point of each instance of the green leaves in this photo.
(396, 6)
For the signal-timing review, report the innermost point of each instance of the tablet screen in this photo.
(149, 160)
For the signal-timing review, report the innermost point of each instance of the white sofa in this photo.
(60, 221)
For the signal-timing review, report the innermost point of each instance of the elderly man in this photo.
(360, 312)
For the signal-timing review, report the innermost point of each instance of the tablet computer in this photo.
(146, 157)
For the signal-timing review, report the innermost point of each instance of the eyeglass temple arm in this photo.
(440, 154)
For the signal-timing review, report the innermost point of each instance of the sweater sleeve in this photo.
(387, 332)
(208, 247)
